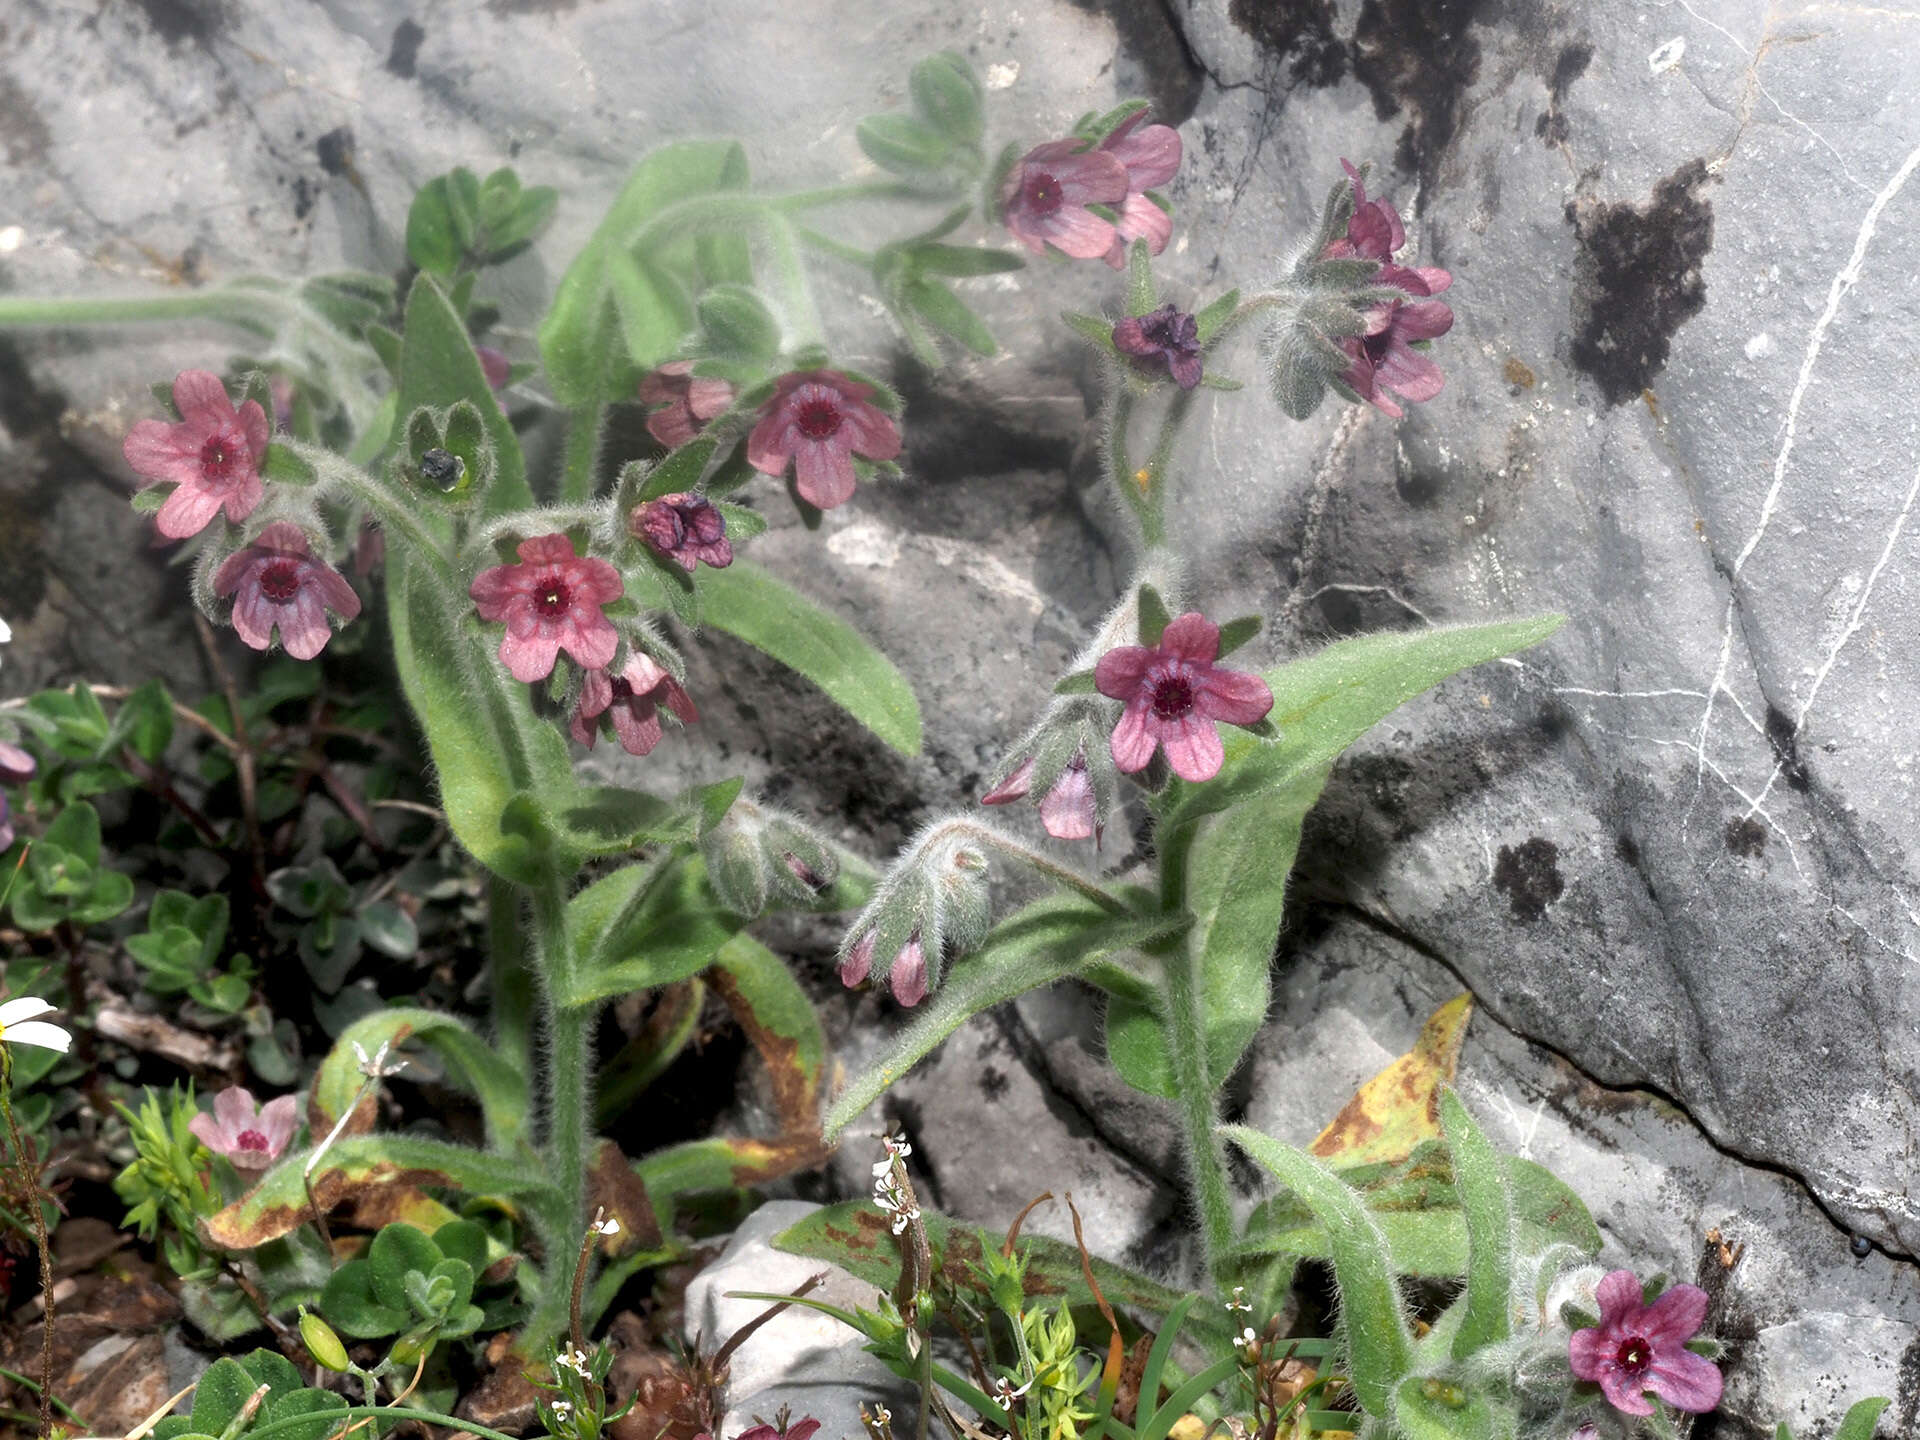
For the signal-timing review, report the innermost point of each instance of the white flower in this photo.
(1248, 1338)
(1240, 1301)
(604, 1224)
(18, 1025)
(6, 632)
(562, 1409)
(375, 1067)
(574, 1359)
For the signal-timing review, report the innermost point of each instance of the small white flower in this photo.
(603, 1223)
(375, 1067)
(881, 1413)
(562, 1409)
(19, 1025)
(1248, 1338)
(6, 632)
(1240, 1301)
(897, 1146)
(574, 1359)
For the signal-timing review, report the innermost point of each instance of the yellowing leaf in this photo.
(1400, 1107)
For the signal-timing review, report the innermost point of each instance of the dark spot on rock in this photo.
(302, 197)
(1571, 65)
(24, 137)
(1907, 1396)
(405, 48)
(1640, 281)
(1418, 56)
(963, 433)
(1627, 848)
(1786, 747)
(1529, 875)
(993, 1081)
(1421, 487)
(1861, 1247)
(335, 149)
(1169, 75)
(1299, 30)
(1746, 837)
(1519, 374)
(177, 20)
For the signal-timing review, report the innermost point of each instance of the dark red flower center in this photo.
(1042, 194)
(1172, 697)
(221, 455)
(251, 1140)
(280, 582)
(1635, 1355)
(553, 597)
(819, 418)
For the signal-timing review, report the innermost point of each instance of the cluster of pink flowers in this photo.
(212, 457)
(1383, 362)
(1045, 197)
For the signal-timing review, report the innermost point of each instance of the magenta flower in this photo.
(1045, 196)
(17, 766)
(1174, 693)
(684, 529)
(859, 962)
(1637, 1347)
(634, 698)
(494, 365)
(686, 400)
(908, 975)
(796, 1430)
(1151, 154)
(1165, 342)
(1067, 809)
(1374, 232)
(276, 582)
(820, 420)
(250, 1135)
(1383, 362)
(212, 455)
(550, 602)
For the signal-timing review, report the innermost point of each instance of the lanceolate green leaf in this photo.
(438, 367)
(1048, 941)
(643, 926)
(1860, 1420)
(780, 1021)
(1487, 1206)
(471, 1063)
(747, 602)
(1428, 1409)
(1379, 1346)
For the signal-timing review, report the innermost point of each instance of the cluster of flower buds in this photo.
(893, 1197)
(207, 463)
(1094, 193)
(1065, 761)
(756, 853)
(1359, 320)
(933, 907)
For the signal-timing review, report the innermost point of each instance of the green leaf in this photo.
(223, 1389)
(349, 1304)
(722, 255)
(75, 832)
(1096, 329)
(1142, 296)
(389, 929)
(681, 471)
(1430, 1409)
(643, 926)
(1154, 618)
(751, 605)
(1047, 941)
(1236, 633)
(653, 308)
(145, 722)
(948, 314)
(111, 894)
(779, 1019)
(287, 466)
(431, 243)
(1080, 682)
(358, 1164)
(396, 1251)
(1215, 314)
(472, 1065)
(947, 95)
(962, 261)
(1487, 1206)
(438, 369)
(904, 145)
(1861, 1419)
(736, 323)
(323, 1405)
(1379, 1346)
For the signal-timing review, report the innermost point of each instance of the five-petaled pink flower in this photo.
(796, 1430)
(250, 1135)
(1045, 197)
(1174, 693)
(550, 602)
(213, 455)
(275, 581)
(1151, 154)
(1637, 1347)
(634, 697)
(683, 528)
(820, 420)
(1068, 809)
(1382, 361)
(686, 402)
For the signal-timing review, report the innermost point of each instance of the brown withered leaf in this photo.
(615, 1187)
(1399, 1108)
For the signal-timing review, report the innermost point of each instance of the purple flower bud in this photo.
(803, 872)
(494, 365)
(908, 974)
(1068, 808)
(16, 765)
(1166, 342)
(859, 962)
(1012, 788)
(683, 528)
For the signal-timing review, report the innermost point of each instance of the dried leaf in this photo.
(1400, 1107)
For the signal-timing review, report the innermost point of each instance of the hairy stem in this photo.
(1026, 855)
(1193, 1087)
(583, 454)
(569, 1065)
(513, 997)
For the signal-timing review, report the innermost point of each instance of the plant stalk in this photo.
(1193, 1087)
(583, 454)
(570, 1062)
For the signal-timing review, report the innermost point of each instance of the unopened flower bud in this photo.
(966, 906)
(858, 962)
(802, 863)
(736, 868)
(907, 976)
(16, 765)
(322, 1343)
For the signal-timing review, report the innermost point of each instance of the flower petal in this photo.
(530, 657)
(874, 434)
(1078, 233)
(244, 498)
(1191, 637)
(186, 512)
(1011, 788)
(40, 1033)
(1068, 808)
(257, 428)
(636, 723)
(1193, 748)
(1676, 1317)
(908, 975)
(1141, 219)
(590, 639)
(253, 614)
(1234, 696)
(279, 1118)
(24, 1007)
(200, 397)
(235, 1109)
(1150, 153)
(303, 625)
(1619, 1296)
(1586, 1352)
(769, 446)
(1623, 1392)
(1132, 743)
(554, 549)
(859, 961)
(1685, 1380)
(207, 1132)
(153, 450)
(1120, 672)
(823, 471)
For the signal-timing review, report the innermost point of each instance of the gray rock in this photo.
(800, 1358)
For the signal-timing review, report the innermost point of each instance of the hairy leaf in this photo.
(472, 1065)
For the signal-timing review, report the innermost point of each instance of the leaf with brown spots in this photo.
(613, 1186)
(355, 1166)
(1399, 1108)
(471, 1065)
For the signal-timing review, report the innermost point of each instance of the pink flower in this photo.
(1045, 196)
(908, 975)
(251, 1136)
(1636, 1348)
(1174, 693)
(859, 962)
(550, 602)
(687, 401)
(275, 581)
(1383, 363)
(634, 697)
(683, 528)
(213, 455)
(17, 766)
(796, 1430)
(1151, 154)
(1067, 810)
(494, 365)
(820, 420)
